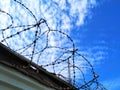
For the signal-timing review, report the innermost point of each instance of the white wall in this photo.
(11, 79)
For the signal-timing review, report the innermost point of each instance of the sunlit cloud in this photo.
(61, 15)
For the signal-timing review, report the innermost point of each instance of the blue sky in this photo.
(103, 30)
(93, 25)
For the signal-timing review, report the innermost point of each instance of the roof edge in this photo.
(30, 68)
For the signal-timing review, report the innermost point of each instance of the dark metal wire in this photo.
(73, 55)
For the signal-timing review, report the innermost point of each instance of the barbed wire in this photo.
(70, 60)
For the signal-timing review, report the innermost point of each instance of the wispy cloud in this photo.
(112, 84)
(60, 14)
(96, 53)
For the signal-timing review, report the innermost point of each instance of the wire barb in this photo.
(66, 57)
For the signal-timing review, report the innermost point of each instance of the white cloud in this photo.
(60, 14)
(96, 53)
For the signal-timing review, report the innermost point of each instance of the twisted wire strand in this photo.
(7, 26)
(71, 52)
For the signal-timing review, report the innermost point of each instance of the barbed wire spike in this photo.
(66, 57)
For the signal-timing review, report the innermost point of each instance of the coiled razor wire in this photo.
(68, 63)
